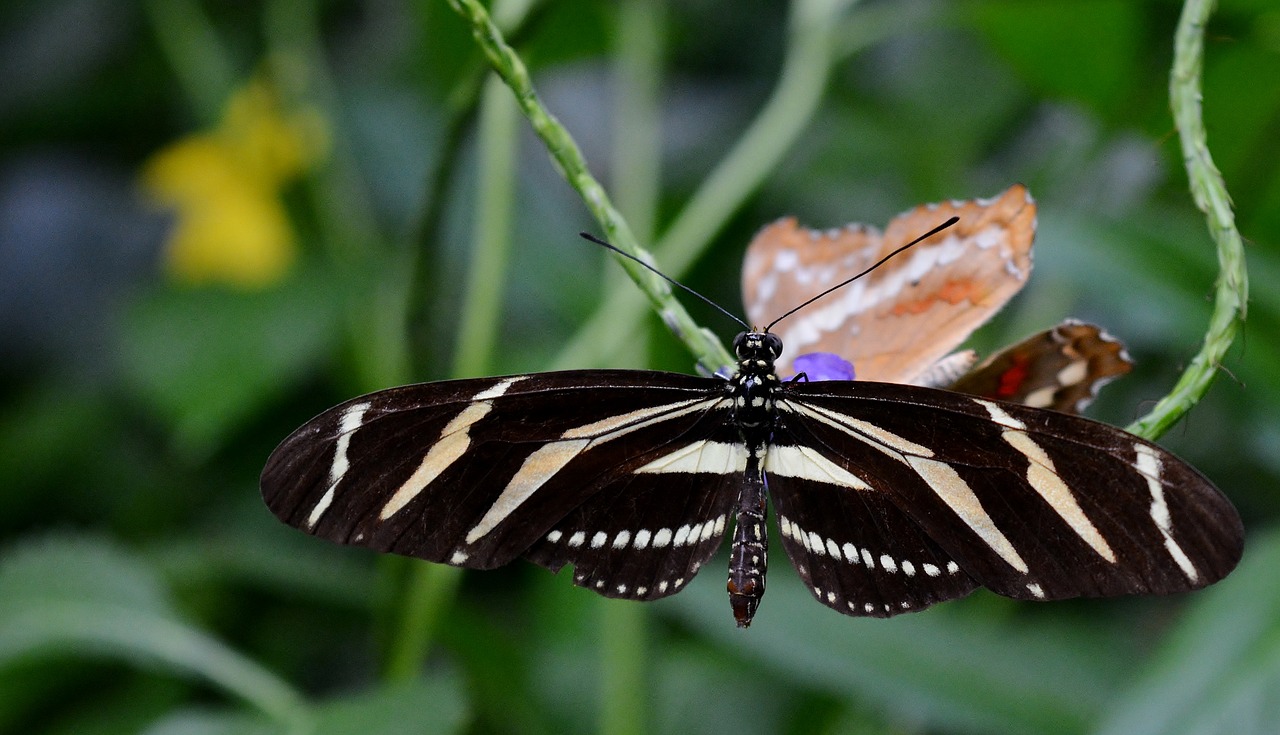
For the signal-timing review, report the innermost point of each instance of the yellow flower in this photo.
(225, 187)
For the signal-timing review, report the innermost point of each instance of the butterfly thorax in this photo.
(754, 384)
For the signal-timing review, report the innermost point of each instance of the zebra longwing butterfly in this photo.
(889, 497)
(899, 324)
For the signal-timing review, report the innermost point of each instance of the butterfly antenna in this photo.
(879, 263)
(592, 238)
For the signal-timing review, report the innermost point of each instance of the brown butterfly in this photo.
(902, 322)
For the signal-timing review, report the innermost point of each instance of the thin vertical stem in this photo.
(637, 158)
(491, 231)
(801, 84)
(195, 54)
(1210, 194)
(377, 293)
(430, 588)
(568, 157)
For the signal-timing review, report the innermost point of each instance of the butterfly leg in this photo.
(749, 557)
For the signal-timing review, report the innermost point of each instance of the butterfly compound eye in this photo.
(774, 343)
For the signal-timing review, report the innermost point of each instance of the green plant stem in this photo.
(421, 593)
(568, 158)
(430, 315)
(625, 692)
(637, 156)
(1210, 194)
(430, 588)
(792, 104)
(377, 293)
(491, 231)
(195, 54)
(637, 127)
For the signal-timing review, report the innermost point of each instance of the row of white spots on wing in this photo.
(453, 442)
(686, 535)
(1150, 466)
(352, 419)
(832, 233)
(869, 608)
(640, 591)
(703, 456)
(550, 458)
(815, 544)
(1043, 477)
(994, 235)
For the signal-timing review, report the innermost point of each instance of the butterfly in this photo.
(902, 322)
(889, 498)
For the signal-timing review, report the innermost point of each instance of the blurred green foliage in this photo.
(144, 587)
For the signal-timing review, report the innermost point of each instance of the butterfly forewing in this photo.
(478, 472)
(903, 317)
(1032, 504)
(900, 323)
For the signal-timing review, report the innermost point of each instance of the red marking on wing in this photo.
(1012, 379)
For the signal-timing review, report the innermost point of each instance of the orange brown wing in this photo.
(906, 315)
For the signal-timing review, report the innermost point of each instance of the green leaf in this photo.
(207, 359)
(1221, 668)
(1078, 49)
(945, 667)
(81, 596)
(433, 704)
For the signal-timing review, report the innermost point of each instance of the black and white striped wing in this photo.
(855, 549)
(629, 476)
(1032, 504)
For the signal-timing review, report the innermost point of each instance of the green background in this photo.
(144, 586)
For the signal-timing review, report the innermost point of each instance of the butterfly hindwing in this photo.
(1030, 503)
(1060, 368)
(854, 548)
(478, 472)
(651, 528)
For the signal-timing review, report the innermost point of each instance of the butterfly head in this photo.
(755, 346)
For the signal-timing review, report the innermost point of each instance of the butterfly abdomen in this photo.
(749, 556)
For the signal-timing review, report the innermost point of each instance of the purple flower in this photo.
(823, 366)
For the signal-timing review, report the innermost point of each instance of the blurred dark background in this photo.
(218, 219)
